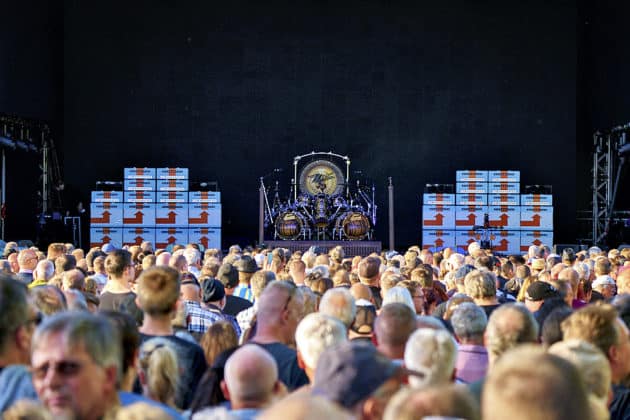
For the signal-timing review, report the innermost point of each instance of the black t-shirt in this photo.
(488, 309)
(111, 301)
(235, 304)
(288, 370)
(192, 366)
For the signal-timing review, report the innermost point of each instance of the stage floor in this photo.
(350, 248)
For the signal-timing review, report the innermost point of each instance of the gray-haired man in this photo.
(76, 363)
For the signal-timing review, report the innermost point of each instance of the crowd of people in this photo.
(138, 333)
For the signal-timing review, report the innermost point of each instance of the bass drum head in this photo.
(354, 225)
(289, 225)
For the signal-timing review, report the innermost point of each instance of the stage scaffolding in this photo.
(609, 154)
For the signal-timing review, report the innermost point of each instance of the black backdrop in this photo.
(408, 91)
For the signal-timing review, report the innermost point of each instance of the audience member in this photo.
(339, 304)
(17, 323)
(469, 325)
(44, 271)
(251, 381)
(158, 294)
(433, 354)
(316, 333)
(311, 331)
(362, 327)
(592, 365)
(392, 328)
(158, 371)
(220, 336)
(527, 383)
(121, 272)
(341, 376)
(482, 287)
(27, 261)
(246, 267)
(447, 401)
(76, 365)
(279, 312)
(600, 325)
(228, 276)
(259, 282)
(213, 298)
(369, 274)
(304, 407)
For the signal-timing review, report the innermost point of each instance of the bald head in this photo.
(73, 279)
(163, 259)
(279, 311)
(273, 299)
(251, 376)
(509, 326)
(190, 291)
(623, 282)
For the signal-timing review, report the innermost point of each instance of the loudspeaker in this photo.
(558, 248)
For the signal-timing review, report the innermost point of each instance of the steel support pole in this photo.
(390, 191)
(261, 213)
(3, 198)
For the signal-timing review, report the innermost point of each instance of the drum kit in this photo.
(322, 206)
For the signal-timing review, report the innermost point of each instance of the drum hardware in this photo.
(320, 218)
(321, 205)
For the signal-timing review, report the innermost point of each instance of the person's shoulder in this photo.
(16, 383)
(181, 341)
(620, 404)
(128, 398)
(239, 302)
(184, 348)
(279, 349)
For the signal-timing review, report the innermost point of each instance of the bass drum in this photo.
(353, 225)
(289, 225)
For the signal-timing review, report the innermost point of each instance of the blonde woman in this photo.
(158, 371)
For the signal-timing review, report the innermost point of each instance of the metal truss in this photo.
(606, 147)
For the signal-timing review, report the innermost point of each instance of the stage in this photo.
(350, 248)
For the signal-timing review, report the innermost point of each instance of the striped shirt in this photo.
(244, 292)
